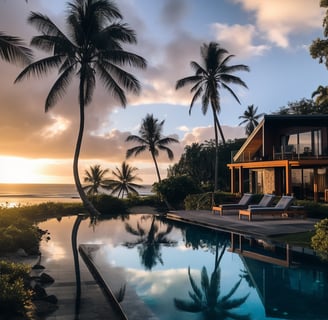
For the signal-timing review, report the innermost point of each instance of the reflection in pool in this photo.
(182, 272)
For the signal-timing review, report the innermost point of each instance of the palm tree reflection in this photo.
(208, 298)
(149, 242)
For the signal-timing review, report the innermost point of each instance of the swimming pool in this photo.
(169, 268)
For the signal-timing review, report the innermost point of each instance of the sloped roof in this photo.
(252, 143)
(255, 140)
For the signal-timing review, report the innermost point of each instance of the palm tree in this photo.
(12, 50)
(92, 47)
(151, 139)
(250, 119)
(96, 179)
(124, 183)
(208, 299)
(209, 78)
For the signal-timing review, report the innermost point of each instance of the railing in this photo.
(284, 152)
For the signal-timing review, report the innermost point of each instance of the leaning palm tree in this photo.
(12, 50)
(123, 184)
(96, 179)
(213, 75)
(92, 46)
(151, 139)
(250, 118)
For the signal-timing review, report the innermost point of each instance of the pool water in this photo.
(177, 271)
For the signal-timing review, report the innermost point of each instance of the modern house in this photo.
(285, 154)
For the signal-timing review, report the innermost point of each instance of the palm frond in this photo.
(186, 305)
(12, 50)
(58, 89)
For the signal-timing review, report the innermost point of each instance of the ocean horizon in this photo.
(19, 194)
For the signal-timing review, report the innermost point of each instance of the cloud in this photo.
(201, 134)
(238, 39)
(173, 12)
(280, 18)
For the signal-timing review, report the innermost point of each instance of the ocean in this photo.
(13, 195)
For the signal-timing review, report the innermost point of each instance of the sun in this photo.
(20, 170)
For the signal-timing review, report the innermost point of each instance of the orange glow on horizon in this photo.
(23, 170)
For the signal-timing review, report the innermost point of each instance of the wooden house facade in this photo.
(285, 155)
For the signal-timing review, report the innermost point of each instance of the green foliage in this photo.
(314, 209)
(175, 189)
(107, 204)
(204, 201)
(319, 241)
(17, 232)
(135, 200)
(198, 162)
(15, 298)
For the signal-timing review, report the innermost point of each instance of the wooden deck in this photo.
(265, 226)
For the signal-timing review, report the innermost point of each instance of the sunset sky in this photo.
(271, 37)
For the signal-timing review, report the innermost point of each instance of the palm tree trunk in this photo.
(159, 180)
(86, 202)
(75, 229)
(216, 127)
(156, 167)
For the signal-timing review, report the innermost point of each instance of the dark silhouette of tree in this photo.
(208, 298)
(96, 179)
(150, 138)
(318, 48)
(213, 75)
(13, 50)
(149, 242)
(250, 118)
(124, 182)
(92, 47)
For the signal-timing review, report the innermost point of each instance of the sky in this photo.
(272, 37)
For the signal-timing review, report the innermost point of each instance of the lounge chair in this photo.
(266, 201)
(281, 207)
(242, 204)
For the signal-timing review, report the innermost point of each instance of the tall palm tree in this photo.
(95, 177)
(92, 46)
(151, 139)
(211, 76)
(124, 183)
(250, 119)
(12, 50)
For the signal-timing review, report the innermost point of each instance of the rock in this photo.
(45, 278)
(38, 267)
(21, 253)
(39, 292)
(51, 299)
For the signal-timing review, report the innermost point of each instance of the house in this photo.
(285, 154)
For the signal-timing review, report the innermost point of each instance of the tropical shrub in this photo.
(107, 204)
(16, 233)
(204, 201)
(319, 241)
(15, 297)
(175, 189)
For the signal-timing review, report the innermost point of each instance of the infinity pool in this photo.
(177, 271)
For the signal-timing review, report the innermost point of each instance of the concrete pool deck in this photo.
(261, 226)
